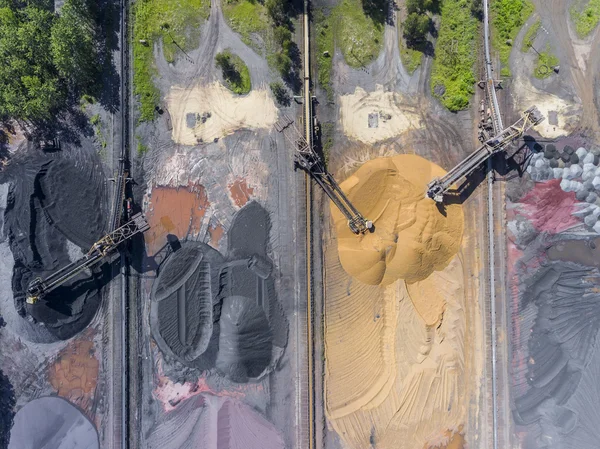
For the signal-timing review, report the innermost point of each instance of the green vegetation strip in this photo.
(176, 23)
(544, 64)
(325, 49)
(357, 34)
(508, 16)
(586, 18)
(455, 55)
(530, 36)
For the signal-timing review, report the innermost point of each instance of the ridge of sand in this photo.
(413, 237)
(389, 376)
(229, 112)
(355, 109)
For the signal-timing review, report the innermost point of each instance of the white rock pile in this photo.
(579, 172)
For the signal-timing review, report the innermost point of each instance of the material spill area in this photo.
(555, 304)
(221, 331)
(178, 211)
(397, 370)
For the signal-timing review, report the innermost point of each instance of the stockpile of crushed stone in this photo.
(54, 204)
(52, 422)
(183, 304)
(578, 171)
(210, 312)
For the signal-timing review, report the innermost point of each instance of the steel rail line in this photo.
(498, 127)
(308, 134)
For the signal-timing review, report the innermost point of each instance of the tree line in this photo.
(47, 58)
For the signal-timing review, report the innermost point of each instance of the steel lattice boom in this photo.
(439, 186)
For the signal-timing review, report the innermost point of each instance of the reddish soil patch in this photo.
(550, 208)
(75, 373)
(216, 233)
(174, 210)
(240, 192)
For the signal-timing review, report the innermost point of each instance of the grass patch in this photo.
(325, 49)
(95, 119)
(508, 16)
(411, 58)
(455, 55)
(530, 36)
(327, 133)
(141, 149)
(247, 17)
(235, 72)
(359, 36)
(543, 66)
(586, 18)
(177, 24)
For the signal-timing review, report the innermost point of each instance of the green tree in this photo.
(416, 27)
(277, 11)
(413, 6)
(30, 87)
(73, 44)
(280, 93)
(224, 62)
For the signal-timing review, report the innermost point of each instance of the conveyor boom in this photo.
(99, 250)
(310, 162)
(439, 186)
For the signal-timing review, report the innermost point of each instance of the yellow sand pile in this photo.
(412, 238)
(390, 377)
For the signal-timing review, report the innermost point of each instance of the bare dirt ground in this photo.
(392, 345)
(573, 92)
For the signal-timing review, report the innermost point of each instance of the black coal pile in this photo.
(54, 199)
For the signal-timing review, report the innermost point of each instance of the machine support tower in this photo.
(308, 160)
(440, 186)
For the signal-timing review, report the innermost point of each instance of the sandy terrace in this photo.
(373, 116)
(567, 111)
(228, 112)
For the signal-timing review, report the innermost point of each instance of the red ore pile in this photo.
(549, 208)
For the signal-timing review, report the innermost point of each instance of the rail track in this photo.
(308, 134)
(490, 87)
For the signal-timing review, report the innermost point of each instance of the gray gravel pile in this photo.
(557, 380)
(578, 171)
(210, 312)
(52, 422)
